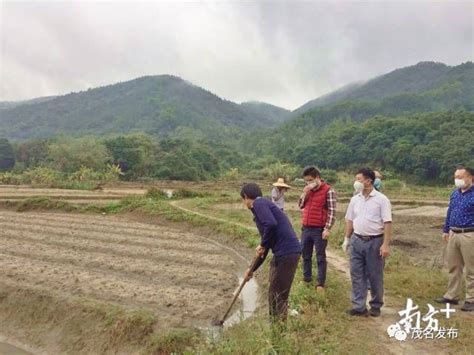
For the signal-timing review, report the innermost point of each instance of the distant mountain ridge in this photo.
(419, 78)
(5, 105)
(168, 106)
(160, 105)
(270, 112)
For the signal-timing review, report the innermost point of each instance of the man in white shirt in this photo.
(367, 236)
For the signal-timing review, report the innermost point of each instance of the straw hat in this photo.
(281, 183)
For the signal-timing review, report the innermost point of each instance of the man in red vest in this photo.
(318, 204)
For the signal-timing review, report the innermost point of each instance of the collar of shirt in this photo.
(371, 194)
(467, 191)
(251, 207)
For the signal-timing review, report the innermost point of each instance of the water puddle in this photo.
(248, 298)
(248, 303)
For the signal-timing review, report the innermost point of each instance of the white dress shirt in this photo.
(368, 214)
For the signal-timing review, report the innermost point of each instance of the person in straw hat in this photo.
(278, 193)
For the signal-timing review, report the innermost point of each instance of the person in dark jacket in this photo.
(277, 235)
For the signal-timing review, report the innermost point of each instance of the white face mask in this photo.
(358, 186)
(459, 183)
(313, 183)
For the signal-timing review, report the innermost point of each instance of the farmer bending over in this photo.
(278, 235)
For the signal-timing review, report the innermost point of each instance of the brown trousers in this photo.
(460, 252)
(282, 273)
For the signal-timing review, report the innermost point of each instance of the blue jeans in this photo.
(312, 238)
(366, 265)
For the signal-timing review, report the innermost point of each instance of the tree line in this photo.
(423, 147)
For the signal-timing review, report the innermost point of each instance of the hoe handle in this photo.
(242, 284)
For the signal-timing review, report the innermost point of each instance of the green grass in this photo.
(41, 203)
(177, 341)
(75, 185)
(423, 284)
(82, 325)
(320, 327)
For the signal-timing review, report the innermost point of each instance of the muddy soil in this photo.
(181, 277)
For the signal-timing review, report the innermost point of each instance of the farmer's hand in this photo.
(345, 245)
(326, 233)
(248, 275)
(307, 188)
(260, 251)
(446, 237)
(384, 250)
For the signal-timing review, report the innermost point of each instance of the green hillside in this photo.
(271, 113)
(409, 133)
(165, 106)
(425, 78)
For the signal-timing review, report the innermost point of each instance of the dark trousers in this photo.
(282, 273)
(312, 238)
(366, 266)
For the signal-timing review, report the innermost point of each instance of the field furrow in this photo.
(179, 275)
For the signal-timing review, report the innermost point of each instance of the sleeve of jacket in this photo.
(267, 223)
(260, 260)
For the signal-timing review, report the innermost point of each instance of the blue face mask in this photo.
(377, 184)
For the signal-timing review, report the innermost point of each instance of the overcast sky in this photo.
(284, 53)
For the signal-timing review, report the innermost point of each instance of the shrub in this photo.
(231, 175)
(156, 193)
(41, 176)
(330, 176)
(184, 193)
(281, 170)
(393, 184)
(9, 178)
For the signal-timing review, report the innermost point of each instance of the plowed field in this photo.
(184, 278)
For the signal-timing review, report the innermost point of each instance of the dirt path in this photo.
(341, 264)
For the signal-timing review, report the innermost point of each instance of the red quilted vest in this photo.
(315, 211)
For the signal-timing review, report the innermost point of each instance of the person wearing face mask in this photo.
(458, 232)
(378, 180)
(318, 205)
(367, 236)
(378, 187)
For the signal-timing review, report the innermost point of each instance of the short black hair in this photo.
(470, 171)
(311, 171)
(367, 173)
(251, 191)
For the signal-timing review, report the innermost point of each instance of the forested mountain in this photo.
(426, 78)
(419, 145)
(269, 112)
(164, 106)
(5, 105)
(407, 132)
